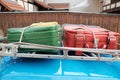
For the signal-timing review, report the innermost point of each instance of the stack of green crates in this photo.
(37, 34)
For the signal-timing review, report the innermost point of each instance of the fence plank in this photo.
(8, 20)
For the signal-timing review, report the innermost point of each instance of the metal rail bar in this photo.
(11, 50)
(24, 55)
(39, 46)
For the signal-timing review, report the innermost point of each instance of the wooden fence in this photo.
(109, 21)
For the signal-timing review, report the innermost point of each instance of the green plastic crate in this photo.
(46, 35)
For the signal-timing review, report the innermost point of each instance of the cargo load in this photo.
(85, 36)
(37, 33)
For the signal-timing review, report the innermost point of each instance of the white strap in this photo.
(96, 41)
(21, 36)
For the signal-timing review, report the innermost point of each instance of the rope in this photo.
(21, 36)
(95, 40)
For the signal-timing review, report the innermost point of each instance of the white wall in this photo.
(81, 5)
(118, 4)
(106, 2)
(26, 5)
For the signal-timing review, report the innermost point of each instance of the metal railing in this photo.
(12, 50)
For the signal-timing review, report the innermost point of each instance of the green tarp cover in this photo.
(47, 35)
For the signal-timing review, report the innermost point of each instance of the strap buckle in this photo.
(80, 35)
(111, 37)
(111, 40)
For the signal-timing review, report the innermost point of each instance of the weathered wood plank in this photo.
(8, 20)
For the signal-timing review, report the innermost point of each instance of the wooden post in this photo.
(27, 5)
(17, 1)
(23, 3)
(44, 1)
(33, 4)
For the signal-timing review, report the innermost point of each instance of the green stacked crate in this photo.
(47, 35)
